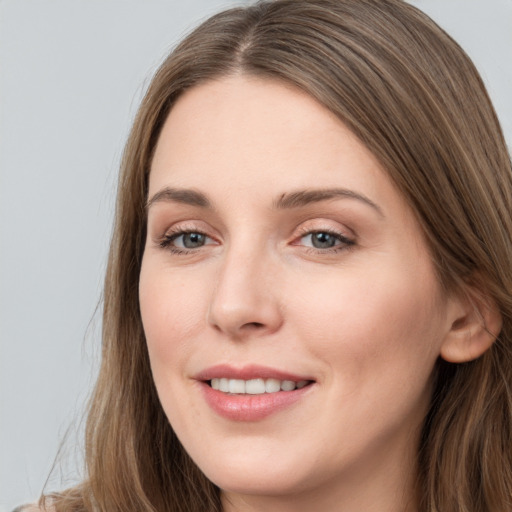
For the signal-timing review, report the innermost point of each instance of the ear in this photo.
(476, 323)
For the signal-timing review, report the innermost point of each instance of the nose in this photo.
(245, 299)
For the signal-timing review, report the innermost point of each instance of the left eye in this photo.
(324, 240)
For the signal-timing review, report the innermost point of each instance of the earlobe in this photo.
(474, 329)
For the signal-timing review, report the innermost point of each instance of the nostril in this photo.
(254, 325)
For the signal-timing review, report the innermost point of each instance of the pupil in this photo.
(193, 240)
(323, 240)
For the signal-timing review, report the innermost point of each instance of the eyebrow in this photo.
(180, 195)
(288, 200)
(306, 197)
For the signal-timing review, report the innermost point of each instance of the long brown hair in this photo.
(413, 97)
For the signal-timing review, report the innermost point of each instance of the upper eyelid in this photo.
(334, 232)
(328, 225)
(304, 227)
(316, 229)
(187, 226)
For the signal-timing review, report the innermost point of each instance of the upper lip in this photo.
(247, 373)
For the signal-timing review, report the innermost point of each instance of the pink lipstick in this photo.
(251, 393)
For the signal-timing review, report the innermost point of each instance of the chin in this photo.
(251, 482)
(256, 473)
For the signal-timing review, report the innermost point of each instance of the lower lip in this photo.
(250, 407)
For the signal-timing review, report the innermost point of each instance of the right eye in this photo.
(189, 240)
(184, 241)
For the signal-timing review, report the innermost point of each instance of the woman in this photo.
(308, 298)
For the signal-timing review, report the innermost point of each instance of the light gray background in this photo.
(71, 75)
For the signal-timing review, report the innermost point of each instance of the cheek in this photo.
(364, 323)
(172, 310)
(378, 339)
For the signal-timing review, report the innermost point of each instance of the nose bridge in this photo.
(243, 300)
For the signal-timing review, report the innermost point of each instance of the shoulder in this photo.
(33, 508)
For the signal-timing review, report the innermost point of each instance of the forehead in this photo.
(245, 133)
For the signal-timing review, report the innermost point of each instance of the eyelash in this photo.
(345, 242)
(166, 242)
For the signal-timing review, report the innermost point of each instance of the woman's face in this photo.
(279, 255)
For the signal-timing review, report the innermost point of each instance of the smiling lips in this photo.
(252, 393)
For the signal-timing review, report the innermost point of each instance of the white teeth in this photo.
(236, 386)
(272, 386)
(287, 385)
(255, 386)
(224, 385)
